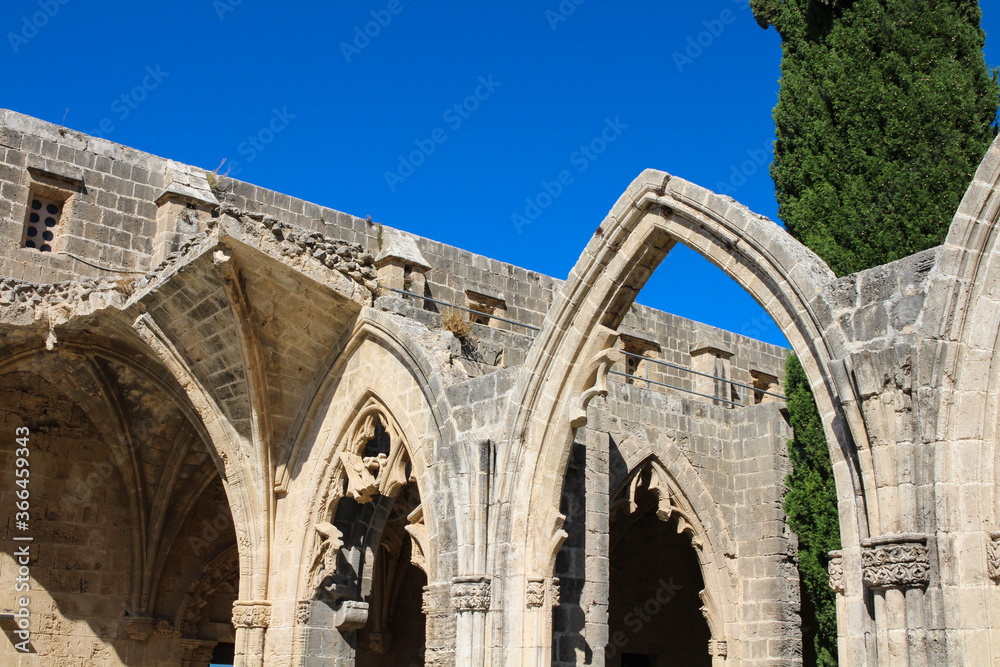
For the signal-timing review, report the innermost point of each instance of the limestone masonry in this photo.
(262, 432)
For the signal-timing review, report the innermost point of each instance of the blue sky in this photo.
(297, 98)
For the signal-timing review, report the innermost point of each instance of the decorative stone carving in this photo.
(302, 611)
(379, 642)
(993, 557)
(718, 648)
(417, 530)
(331, 542)
(352, 615)
(138, 628)
(222, 573)
(897, 561)
(164, 628)
(535, 592)
(836, 570)
(251, 614)
(383, 473)
(471, 593)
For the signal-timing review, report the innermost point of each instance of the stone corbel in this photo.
(417, 531)
(251, 614)
(548, 543)
(896, 561)
(593, 378)
(352, 615)
(330, 546)
(138, 627)
(392, 476)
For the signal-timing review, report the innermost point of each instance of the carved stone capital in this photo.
(993, 557)
(164, 628)
(536, 591)
(471, 593)
(718, 648)
(836, 570)
(380, 642)
(251, 614)
(896, 561)
(138, 628)
(352, 615)
(302, 610)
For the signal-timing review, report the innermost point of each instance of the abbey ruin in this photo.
(257, 431)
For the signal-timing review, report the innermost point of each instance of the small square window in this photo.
(44, 214)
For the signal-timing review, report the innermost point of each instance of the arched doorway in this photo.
(654, 611)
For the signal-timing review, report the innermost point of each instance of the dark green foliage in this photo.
(811, 505)
(885, 110)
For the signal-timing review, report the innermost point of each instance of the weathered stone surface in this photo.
(242, 437)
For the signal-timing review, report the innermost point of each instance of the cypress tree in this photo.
(885, 110)
(811, 506)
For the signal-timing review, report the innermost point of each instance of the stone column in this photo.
(596, 586)
(325, 634)
(710, 358)
(471, 597)
(897, 569)
(440, 626)
(251, 619)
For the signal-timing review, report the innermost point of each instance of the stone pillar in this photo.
(896, 568)
(400, 263)
(325, 636)
(596, 586)
(440, 631)
(471, 597)
(251, 619)
(710, 358)
(185, 207)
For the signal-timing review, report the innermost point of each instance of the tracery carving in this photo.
(222, 573)
(375, 458)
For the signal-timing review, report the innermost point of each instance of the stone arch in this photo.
(688, 504)
(379, 371)
(567, 364)
(962, 328)
(718, 599)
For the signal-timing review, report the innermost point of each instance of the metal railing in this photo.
(531, 328)
(691, 370)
